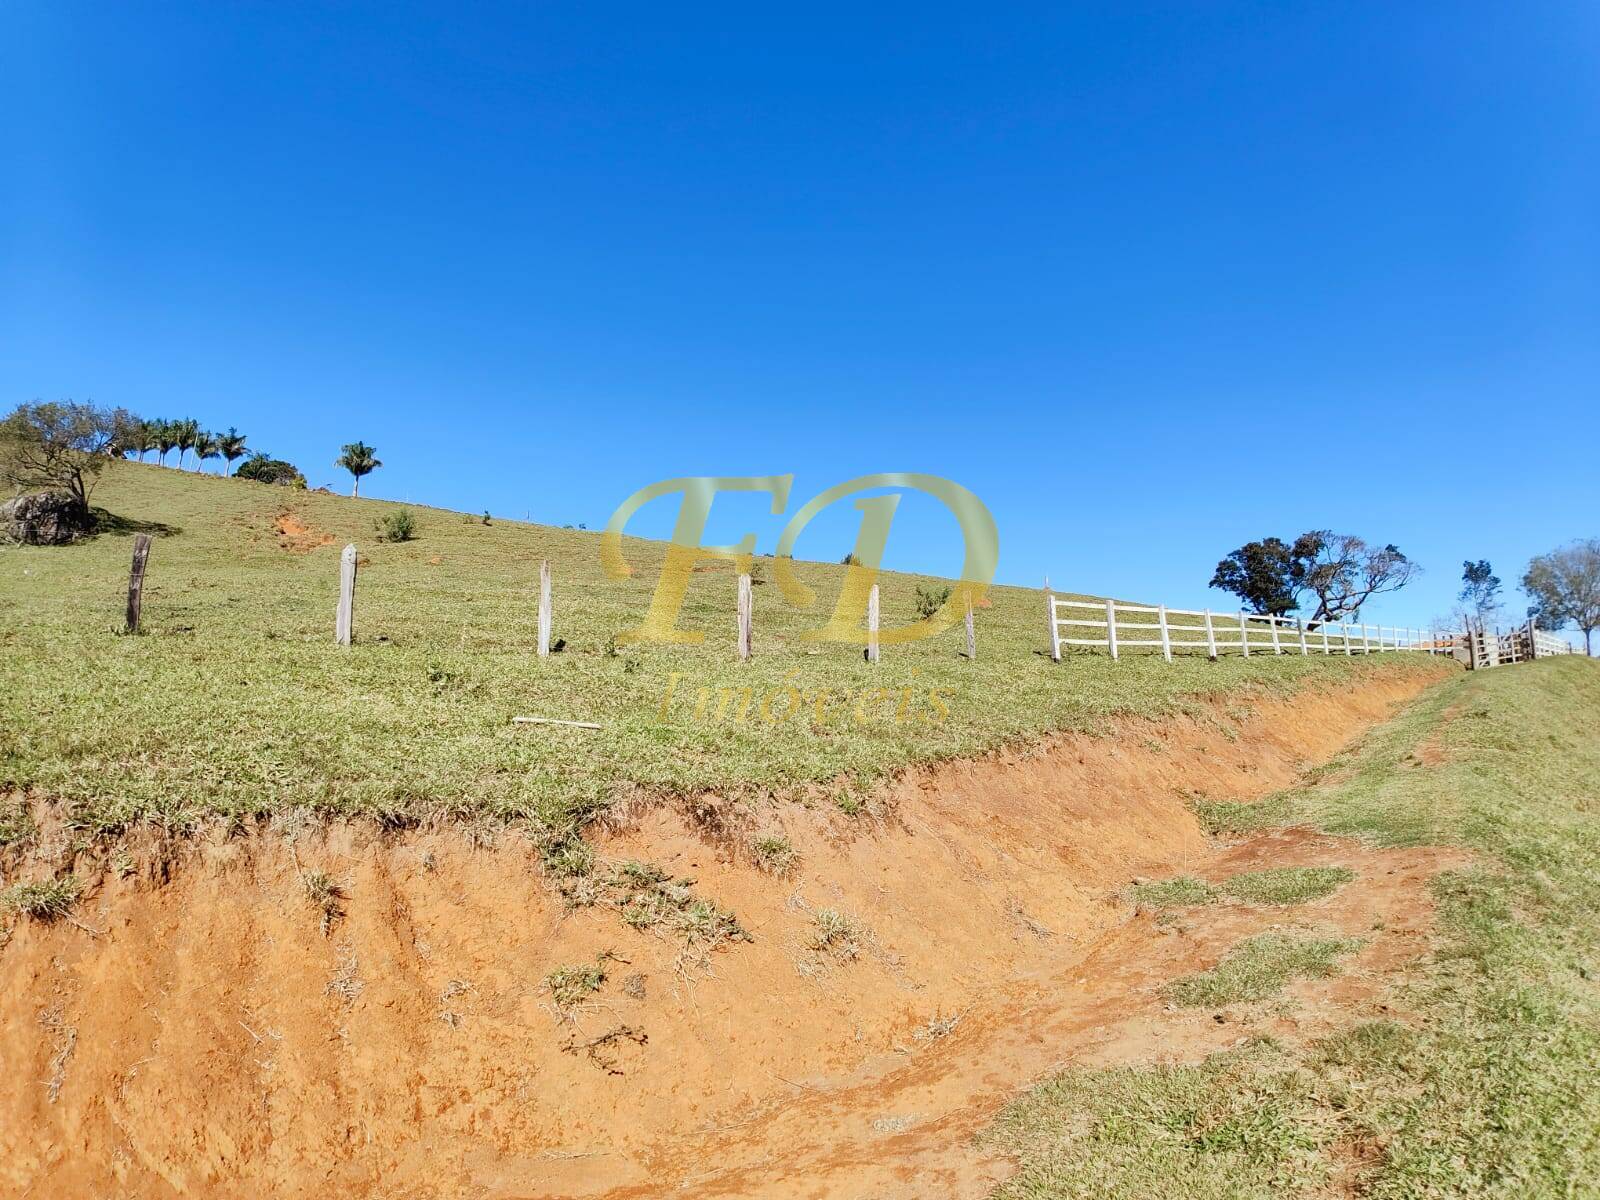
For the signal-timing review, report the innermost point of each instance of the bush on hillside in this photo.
(270, 470)
(398, 526)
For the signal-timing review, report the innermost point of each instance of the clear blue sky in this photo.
(1152, 280)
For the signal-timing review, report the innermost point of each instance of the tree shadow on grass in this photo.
(110, 522)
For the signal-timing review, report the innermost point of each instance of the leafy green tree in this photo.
(1480, 591)
(1341, 570)
(62, 445)
(1266, 575)
(141, 439)
(1565, 587)
(231, 445)
(184, 434)
(264, 469)
(359, 459)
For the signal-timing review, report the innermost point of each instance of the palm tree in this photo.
(359, 459)
(166, 439)
(184, 434)
(206, 446)
(231, 444)
(141, 438)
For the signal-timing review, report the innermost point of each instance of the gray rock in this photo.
(42, 519)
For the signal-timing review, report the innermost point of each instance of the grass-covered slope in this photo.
(236, 700)
(1487, 1088)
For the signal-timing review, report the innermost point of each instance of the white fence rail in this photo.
(1106, 624)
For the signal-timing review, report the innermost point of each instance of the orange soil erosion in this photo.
(202, 1035)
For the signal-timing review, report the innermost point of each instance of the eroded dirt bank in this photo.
(213, 1040)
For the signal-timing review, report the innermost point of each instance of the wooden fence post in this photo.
(872, 624)
(746, 619)
(1300, 624)
(1326, 649)
(972, 632)
(1211, 638)
(141, 555)
(1277, 647)
(1244, 633)
(1366, 642)
(545, 612)
(1111, 627)
(1344, 632)
(1055, 633)
(1166, 640)
(344, 622)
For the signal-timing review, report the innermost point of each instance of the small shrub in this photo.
(486, 519)
(774, 854)
(930, 600)
(397, 526)
(44, 901)
(850, 560)
(836, 934)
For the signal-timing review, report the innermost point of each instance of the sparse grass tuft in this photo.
(774, 854)
(17, 826)
(326, 896)
(571, 985)
(648, 898)
(47, 900)
(836, 934)
(1172, 893)
(1260, 967)
(1287, 885)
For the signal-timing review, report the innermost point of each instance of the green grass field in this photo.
(235, 701)
(1488, 1091)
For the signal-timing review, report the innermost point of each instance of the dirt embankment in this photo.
(213, 1040)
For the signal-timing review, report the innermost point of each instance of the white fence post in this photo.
(1244, 634)
(544, 608)
(972, 632)
(1300, 624)
(344, 621)
(1326, 649)
(872, 624)
(1111, 627)
(1211, 638)
(1166, 641)
(1055, 633)
(1366, 642)
(1277, 647)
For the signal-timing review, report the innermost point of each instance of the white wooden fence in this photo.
(1117, 627)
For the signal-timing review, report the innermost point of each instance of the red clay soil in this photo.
(212, 1041)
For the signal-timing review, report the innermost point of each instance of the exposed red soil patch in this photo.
(297, 537)
(220, 1044)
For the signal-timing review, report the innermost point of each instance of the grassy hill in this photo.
(235, 702)
(1483, 1085)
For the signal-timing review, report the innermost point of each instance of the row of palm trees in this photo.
(163, 437)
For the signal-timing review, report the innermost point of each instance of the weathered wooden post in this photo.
(972, 632)
(1166, 639)
(1211, 638)
(544, 608)
(1055, 633)
(1244, 634)
(344, 622)
(746, 618)
(1111, 627)
(872, 624)
(141, 554)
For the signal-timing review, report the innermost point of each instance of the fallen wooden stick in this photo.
(554, 721)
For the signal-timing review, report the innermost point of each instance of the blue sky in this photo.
(1152, 280)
